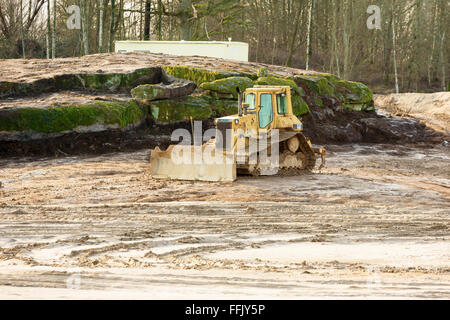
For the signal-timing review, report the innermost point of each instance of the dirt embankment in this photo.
(431, 108)
(321, 127)
(102, 116)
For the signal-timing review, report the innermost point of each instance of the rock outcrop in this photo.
(164, 89)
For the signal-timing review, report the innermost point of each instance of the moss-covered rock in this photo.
(104, 81)
(354, 92)
(112, 82)
(228, 85)
(316, 85)
(330, 77)
(180, 109)
(320, 86)
(194, 74)
(275, 81)
(148, 92)
(160, 91)
(299, 106)
(200, 76)
(68, 117)
(198, 107)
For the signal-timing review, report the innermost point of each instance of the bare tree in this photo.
(100, 26)
(22, 32)
(54, 31)
(48, 35)
(85, 25)
(111, 29)
(147, 20)
(308, 33)
(394, 49)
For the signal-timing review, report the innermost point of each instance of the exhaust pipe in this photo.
(239, 101)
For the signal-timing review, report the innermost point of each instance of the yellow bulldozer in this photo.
(264, 138)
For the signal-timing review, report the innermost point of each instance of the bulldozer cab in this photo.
(270, 106)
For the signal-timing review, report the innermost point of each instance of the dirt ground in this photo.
(373, 223)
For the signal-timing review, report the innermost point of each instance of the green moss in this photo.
(355, 92)
(262, 72)
(181, 109)
(318, 102)
(101, 81)
(199, 107)
(64, 118)
(200, 76)
(106, 81)
(128, 79)
(221, 107)
(358, 107)
(148, 92)
(299, 106)
(228, 85)
(330, 77)
(317, 84)
(194, 74)
(274, 81)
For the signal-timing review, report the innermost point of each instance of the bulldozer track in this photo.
(305, 165)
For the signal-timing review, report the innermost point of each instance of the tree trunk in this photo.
(47, 38)
(147, 20)
(346, 39)
(120, 22)
(54, 31)
(22, 32)
(100, 27)
(186, 25)
(443, 62)
(85, 26)
(308, 33)
(394, 49)
(111, 29)
(388, 51)
(294, 37)
(159, 24)
(335, 44)
(141, 20)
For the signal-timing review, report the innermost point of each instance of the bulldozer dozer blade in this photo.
(163, 166)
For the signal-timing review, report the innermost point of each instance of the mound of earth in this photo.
(432, 108)
(103, 102)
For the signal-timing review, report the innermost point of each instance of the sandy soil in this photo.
(373, 223)
(431, 108)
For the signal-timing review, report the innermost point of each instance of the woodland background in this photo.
(324, 35)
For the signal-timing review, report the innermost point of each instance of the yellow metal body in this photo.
(255, 118)
(248, 122)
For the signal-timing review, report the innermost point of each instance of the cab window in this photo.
(265, 113)
(250, 99)
(281, 103)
